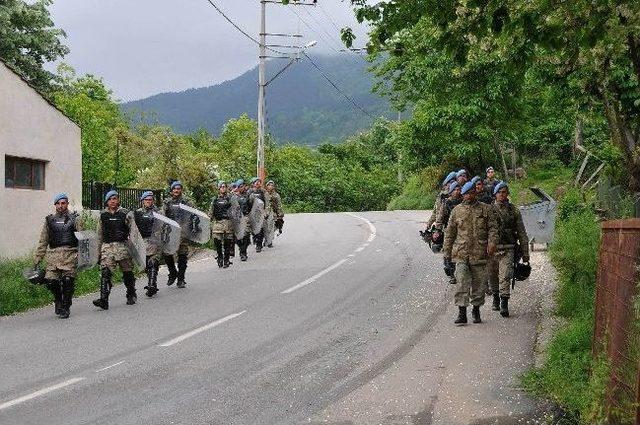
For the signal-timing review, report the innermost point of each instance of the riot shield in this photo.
(256, 216)
(238, 220)
(137, 247)
(88, 249)
(165, 234)
(195, 225)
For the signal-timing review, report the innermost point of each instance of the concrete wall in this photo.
(30, 127)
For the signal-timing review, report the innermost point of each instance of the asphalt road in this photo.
(348, 319)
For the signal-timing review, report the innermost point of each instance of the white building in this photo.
(40, 156)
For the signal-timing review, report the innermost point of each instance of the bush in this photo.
(419, 192)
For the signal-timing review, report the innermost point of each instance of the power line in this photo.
(243, 32)
(338, 89)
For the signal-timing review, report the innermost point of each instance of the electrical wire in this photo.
(338, 89)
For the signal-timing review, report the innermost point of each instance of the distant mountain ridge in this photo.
(302, 107)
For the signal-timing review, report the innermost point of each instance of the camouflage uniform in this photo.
(222, 226)
(489, 184)
(243, 239)
(445, 210)
(275, 203)
(145, 222)
(511, 231)
(472, 226)
(60, 252)
(113, 254)
(440, 200)
(61, 261)
(171, 209)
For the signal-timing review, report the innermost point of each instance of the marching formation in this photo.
(483, 240)
(148, 236)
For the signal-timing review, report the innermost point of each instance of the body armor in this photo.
(259, 193)
(114, 226)
(221, 206)
(144, 221)
(245, 203)
(172, 210)
(61, 230)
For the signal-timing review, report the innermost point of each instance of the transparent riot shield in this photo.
(137, 247)
(88, 250)
(238, 221)
(195, 225)
(165, 234)
(256, 216)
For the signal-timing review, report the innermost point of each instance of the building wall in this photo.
(32, 128)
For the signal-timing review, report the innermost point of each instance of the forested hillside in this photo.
(301, 105)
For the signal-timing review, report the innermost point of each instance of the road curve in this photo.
(297, 334)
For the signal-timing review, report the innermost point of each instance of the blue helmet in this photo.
(499, 186)
(59, 197)
(450, 176)
(452, 187)
(146, 194)
(467, 187)
(110, 194)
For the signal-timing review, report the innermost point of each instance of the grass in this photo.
(419, 192)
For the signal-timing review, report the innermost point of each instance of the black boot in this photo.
(68, 287)
(129, 281)
(152, 276)
(496, 302)
(56, 289)
(257, 239)
(462, 316)
(232, 249)
(105, 289)
(244, 244)
(228, 246)
(182, 270)
(475, 314)
(504, 306)
(217, 243)
(173, 272)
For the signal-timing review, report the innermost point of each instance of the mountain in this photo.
(302, 107)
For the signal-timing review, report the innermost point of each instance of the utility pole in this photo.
(400, 174)
(262, 78)
(262, 88)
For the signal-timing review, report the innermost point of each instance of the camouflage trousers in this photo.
(500, 272)
(269, 228)
(470, 284)
(222, 229)
(183, 248)
(61, 262)
(153, 251)
(115, 254)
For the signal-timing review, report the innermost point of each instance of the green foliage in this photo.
(419, 192)
(16, 294)
(28, 40)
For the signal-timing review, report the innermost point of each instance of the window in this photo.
(23, 173)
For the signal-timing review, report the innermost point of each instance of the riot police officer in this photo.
(275, 213)
(58, 246)
(258, 192)
(114, 227)
(145, 220)
(245, 203)
(222, 228)
(513, 241)
(171, 209)
(471, 238)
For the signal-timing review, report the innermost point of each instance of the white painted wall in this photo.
(30, 127)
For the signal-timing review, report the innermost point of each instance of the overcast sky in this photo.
(144, 47)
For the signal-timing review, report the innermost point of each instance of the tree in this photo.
(28, 39)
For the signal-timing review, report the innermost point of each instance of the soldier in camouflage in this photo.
(490, 181)
(58, 247)
(454, 198)
(275, 213)
(440, 199)
(145, 220)
(222, 227)
(513, 240)
(171, 209)
(483, 195)
(114, 227)
(258, 192)
(245, 203)
(471, 238)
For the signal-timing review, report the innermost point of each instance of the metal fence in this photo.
(615, 317)
(93, 195)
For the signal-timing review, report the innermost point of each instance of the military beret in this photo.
(60, 196)
(462, 172)
(450, 176)
(255, 179)
(146, 194)
(475, 180)
(270, 182)
(489, 169)
(221, 183)
(499, 186)
(239, 182)
(452, 187)
(467, 187)
(110, 194)
(175, 184)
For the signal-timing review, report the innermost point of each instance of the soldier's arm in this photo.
(440, 218)
(450, 235)
(493, 231)
(43, 242)
(523, 238)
